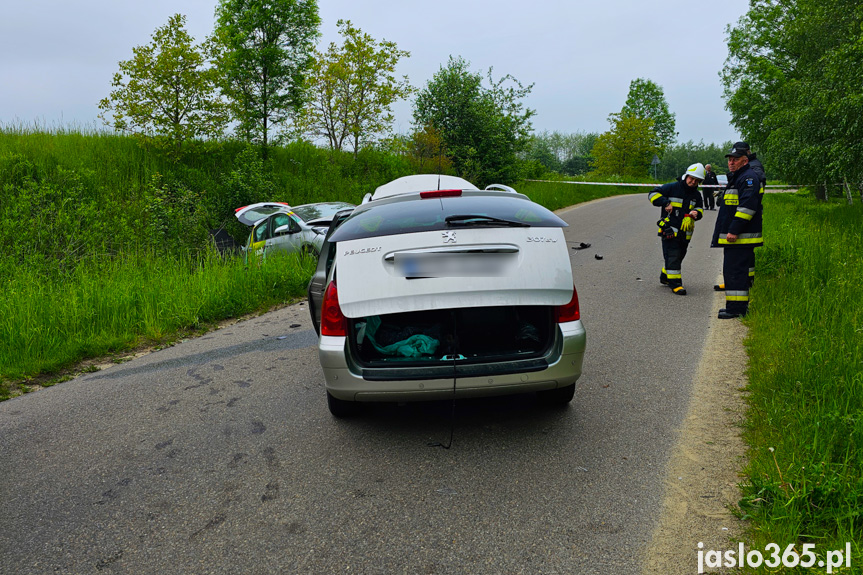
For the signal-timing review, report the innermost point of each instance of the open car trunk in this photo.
(459, 342)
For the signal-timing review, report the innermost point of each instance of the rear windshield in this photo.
(431, 215)
(318, 211)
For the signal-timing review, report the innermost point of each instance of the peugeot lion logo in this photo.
(449, 237)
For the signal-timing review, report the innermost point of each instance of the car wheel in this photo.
(309, 251)
(341, 408)
(558, 396)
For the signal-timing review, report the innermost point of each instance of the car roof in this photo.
(320, 211)
(421, 183)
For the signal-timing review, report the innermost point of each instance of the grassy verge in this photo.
(116, 304)
(804, 481)
(556, 195)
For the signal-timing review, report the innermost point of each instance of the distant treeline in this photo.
(556, 153)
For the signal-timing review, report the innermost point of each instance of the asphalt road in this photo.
(218, 455)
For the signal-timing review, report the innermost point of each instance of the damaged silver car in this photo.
(434, 289)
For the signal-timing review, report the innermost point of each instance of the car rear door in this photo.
(453, 269)
(285, 235)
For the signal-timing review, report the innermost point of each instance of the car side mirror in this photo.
(284, 230)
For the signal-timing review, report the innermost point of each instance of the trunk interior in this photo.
(463, 335)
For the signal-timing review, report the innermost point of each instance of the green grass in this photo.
(804, 481)
(556, 195)
(115, 304)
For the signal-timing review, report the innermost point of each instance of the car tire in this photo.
(559, 396)
(341, 408)
(309, 251)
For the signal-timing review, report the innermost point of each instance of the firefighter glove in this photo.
(688, 224)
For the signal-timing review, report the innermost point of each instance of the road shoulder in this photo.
(703, 472)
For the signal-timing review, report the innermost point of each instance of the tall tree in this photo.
(167, 91)
(646, 100)
(794, 86)
(352, 88)
(483, 127)
(264, 49)
(626, 149)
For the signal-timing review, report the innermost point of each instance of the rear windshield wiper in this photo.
(476, 220)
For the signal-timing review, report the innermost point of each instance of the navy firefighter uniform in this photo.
(675, 232)
(738, 231)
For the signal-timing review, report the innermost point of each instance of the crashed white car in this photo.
(435, 289)
(277, 226)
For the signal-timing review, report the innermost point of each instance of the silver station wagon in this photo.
(434, 289)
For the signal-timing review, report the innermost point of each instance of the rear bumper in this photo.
(347, 383)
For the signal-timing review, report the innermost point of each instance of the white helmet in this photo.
(695, 170)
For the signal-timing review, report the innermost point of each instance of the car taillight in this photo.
(568, 312)
(333, 321)
(440, 194)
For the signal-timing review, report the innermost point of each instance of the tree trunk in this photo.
(825, 192)
(848, 194)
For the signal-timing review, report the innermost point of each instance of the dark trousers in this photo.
(735, 270)
(709, 200)
(673, 252)
(752, 267)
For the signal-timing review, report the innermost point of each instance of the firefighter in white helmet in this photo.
(681, 206)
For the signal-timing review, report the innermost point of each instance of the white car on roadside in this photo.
(276, 226)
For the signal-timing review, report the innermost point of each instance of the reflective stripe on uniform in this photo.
(731, 198)
(749, 238)
(653, 196)
(744, 213)
(674, 274)
(739, 295)
(751, 272)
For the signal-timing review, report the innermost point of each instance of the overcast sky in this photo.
(57, 57)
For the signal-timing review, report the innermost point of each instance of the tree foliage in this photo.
(627, 149)
(680, 156)
(483, 127)
(564, 153)
(167, 90)
(794, 86)
(264, 49)
(646, 100)
(426, 152)
(351, 89)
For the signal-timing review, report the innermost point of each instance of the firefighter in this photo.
(738, 230)
(758, 167)
(710, 184)
(681, 207)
